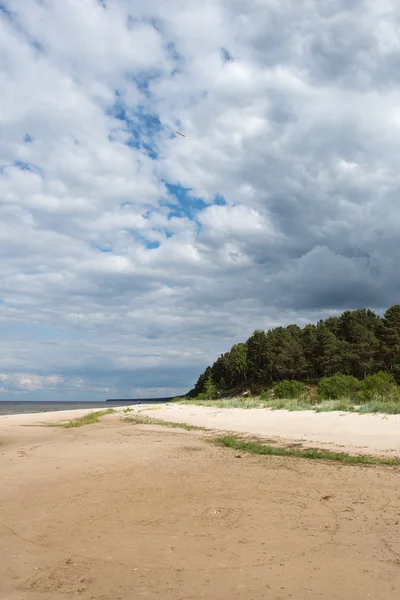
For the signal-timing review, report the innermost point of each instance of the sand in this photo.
(115, 511)
(368, 433)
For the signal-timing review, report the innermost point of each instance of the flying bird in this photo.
(179, 133)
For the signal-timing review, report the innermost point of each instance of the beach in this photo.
(116, 510)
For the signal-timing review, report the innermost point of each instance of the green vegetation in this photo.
(307, 401)
(236, 443)
(229, 402)
(389, 407)
(88, 419)
(337, 386)
(209, 389)
(143, 420)
(259, 447)
(289, 389)
(357, 344)
(381, 385)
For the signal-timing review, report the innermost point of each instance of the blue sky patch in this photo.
(220, 200)
(186, 205)
(23, 166)
(103, 248)
(13, 20)
(141, 239)
(141, 125)
(226, 55)
(6, 11)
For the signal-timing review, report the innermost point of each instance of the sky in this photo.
(132, 257)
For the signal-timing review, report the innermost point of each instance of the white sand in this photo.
(369, 434)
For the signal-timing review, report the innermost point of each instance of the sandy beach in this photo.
(116, 511)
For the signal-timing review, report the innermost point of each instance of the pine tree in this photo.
(210, 389)
(390, 336)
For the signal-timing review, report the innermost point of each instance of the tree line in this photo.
(358, 343)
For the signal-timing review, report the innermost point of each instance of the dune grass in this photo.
(88, 419)
(238, 444)
(305, 402)
(261, 448)
(228, 402)
(143, 420)
(389, 407)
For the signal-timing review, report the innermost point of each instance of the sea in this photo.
(17, 407)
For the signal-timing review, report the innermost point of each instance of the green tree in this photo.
(390, 338)
(358, 343)
(199, 387)
(257, 356)
(222, 384)
(237, 362)
(309, 342)
(329, 351)
(210, 389)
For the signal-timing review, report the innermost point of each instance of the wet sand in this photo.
(115, 511)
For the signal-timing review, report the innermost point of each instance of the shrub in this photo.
(381, 385)
(289, 389)
(264, 396)
(337, 386)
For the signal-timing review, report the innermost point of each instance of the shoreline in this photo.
(36, 418)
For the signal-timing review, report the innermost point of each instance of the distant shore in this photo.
(136, 400)
(28, 407)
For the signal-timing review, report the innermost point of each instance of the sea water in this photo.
(18, 407)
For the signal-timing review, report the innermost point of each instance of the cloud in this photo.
(130, 256)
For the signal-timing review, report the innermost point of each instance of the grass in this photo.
(142, 420)
(389, 407)
(342, 405)
(259, 448)
(306, 402)
(236, 443)
(228, 403)
(88, 419)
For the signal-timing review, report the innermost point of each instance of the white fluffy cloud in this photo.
(131, 257)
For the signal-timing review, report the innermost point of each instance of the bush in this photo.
(337, 386)
(380, 385)
(289, 389)
(264, 396)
